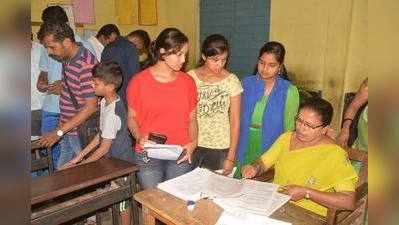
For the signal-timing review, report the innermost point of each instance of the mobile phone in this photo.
(157, 138)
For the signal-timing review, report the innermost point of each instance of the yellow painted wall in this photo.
(183, 14)
(325, 42)
(356, 69)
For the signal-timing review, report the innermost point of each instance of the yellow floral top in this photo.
(213, 110)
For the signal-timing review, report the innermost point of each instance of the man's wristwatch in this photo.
(60, 133)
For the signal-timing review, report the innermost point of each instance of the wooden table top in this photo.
(207, 212)
(66, 181)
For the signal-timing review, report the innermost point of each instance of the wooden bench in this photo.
(159, 205)
(75, 192)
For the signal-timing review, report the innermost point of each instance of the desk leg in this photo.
(148, 218)
(134, 210)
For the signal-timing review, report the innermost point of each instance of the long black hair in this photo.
(170, 39)
(278, 50)
(214, 44)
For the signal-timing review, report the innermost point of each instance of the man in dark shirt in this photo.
(125, 54)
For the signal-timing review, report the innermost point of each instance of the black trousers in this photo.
(212, 159)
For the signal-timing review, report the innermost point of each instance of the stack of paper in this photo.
(161, 151)
(201, 183)
(233, 195)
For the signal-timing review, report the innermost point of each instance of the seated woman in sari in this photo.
(269, 105)
(311, 168)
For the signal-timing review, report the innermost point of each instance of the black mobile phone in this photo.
(157, 138)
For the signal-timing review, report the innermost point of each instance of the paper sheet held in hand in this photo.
(162, 151)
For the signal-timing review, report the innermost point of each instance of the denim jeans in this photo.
(156, 170)
(70, 147)
(49, 123)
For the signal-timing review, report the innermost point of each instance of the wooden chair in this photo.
(344, 217)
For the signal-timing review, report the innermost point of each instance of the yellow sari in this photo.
(323, 167)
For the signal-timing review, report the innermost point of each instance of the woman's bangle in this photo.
(346, 120)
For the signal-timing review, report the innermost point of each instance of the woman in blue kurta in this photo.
(268, 107)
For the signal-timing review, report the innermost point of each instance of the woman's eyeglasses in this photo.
(306, 124)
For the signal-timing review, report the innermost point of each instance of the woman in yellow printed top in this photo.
(311, 168)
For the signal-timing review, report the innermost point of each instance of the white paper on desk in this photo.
(220, 186)
(278, 201)
(227, 218)
(256, 197)
(202, 183)
(162, 151)
(189, 186)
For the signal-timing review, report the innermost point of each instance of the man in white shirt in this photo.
(36, 96)
(105, 35)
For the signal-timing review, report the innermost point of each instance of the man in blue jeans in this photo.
(49, 80)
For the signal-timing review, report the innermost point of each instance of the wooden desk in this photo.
(39, 162)
(47, 193)
(157, 204)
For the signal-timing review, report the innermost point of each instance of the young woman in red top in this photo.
(162, 99)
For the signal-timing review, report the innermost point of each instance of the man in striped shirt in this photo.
(77, 63)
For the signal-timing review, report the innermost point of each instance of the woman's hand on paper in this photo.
(249, 171)
(295, 191)
(188, 152)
